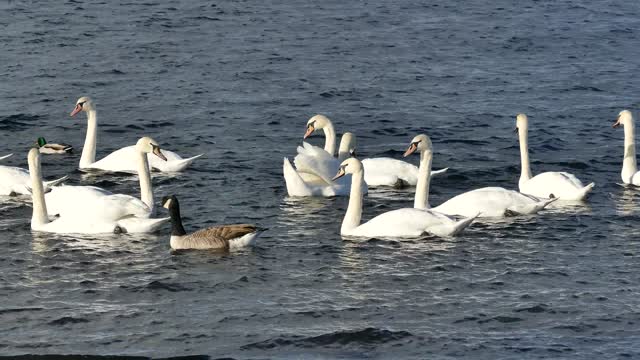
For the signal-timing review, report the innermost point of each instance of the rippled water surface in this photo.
(237, 81)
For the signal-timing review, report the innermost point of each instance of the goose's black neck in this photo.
(176, 220)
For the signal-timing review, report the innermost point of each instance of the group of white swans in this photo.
(92, 210)
(313, 175)
(89, 209)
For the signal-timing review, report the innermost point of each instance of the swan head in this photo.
(420, 143)
(624, 118)
(521, 122)
(83, 104)
(33, 158)
(316, 123)
(349, 166)
(169, 202)
(150, 146)
(348, 144)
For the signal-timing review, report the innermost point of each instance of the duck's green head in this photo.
(41, 142)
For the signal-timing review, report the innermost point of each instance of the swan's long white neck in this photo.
(89, 150)
(354, 209)
(343, 151)
(146, 191)
(421, 200)
(39, 216)
(525, 168)
(629, 165)
(329, 138)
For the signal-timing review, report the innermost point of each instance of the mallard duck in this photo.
(47, 148)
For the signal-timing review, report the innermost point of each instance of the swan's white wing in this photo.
(314, 160)
(174, 162)
(93, 202)
(297, 185)
(77, 225)
(490, 202)
(141, 225)
(123, 159)
(562, 185)
(385, 171)
(409, 223)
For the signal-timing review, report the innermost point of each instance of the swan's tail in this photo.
(178, 165)
(529, 209)
(439, 172)
(138, 225)
(52, 183)
(6, 156)
(295, 184)
(582, 193)
(463, 224)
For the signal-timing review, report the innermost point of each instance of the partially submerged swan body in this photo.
(124, 158)
(401, 223)
(487, 202)
(52, 148)
(40, 221)
(16, 181)
(552, 184)
(385, 171)
(630, 174)
(223, 237)
(133, 215)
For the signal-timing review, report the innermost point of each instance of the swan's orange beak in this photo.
(340, 174)
(76, 110)
(617, 123)
(158, 153)
(412, 148)
(310, 130)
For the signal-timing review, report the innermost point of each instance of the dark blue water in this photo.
(237, 81)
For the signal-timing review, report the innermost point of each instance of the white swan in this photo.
(16, 181)
(131, 214)
(122, 159)
(488, 202)
(40, 219)
(6, 156)
(629, 174)
(223, 237)
(401, 223)
(552, 184)
(382, 171)
(311, 176)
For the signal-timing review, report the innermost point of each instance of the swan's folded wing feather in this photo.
(319, 163)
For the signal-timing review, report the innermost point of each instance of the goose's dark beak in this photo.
(76, 110)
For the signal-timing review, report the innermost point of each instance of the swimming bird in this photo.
(223, 237)
(49, 148)
(629, 174)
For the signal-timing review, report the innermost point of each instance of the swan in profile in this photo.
(131, 214)
(381, 171)
(6, 156)
(83, 223)
(122, 159)
(223, 237)
(552, 184)
(629, 174)
(16, 181)
(488, 201)
(401, 223)
(311, 176)
(49, 148)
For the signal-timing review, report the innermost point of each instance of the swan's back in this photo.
(552, 184)
(407, 222)
(489, 201)
(384, 171)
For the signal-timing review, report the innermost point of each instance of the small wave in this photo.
(363, 338)
(68, 320)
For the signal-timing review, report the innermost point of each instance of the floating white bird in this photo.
(488, 201)
(401, 223)
(552, 184)
(122, 159)
(85, 224)
(133, 215)
(49, 148)
(629, 174)
(223, 237)
(381, 171)
(16, 181)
